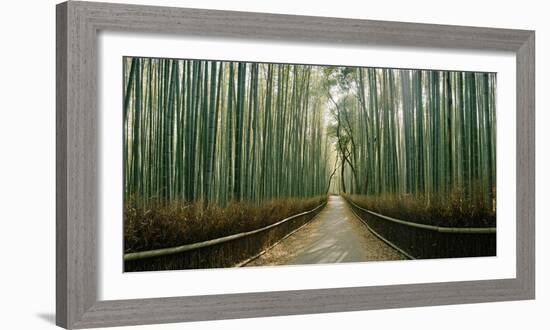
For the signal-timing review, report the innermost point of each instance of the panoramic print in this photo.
(242, 164)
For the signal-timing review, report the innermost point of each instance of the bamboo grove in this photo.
(415, 133)
(215, 132)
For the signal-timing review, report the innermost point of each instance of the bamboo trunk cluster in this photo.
(417, 132)
(217, 132)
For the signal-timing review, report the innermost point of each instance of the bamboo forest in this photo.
(213, 149)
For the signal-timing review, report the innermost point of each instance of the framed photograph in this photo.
(217, 164)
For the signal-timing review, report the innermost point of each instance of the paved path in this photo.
(335, 235)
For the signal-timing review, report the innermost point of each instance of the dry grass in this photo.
(453, 210)
(159, 226)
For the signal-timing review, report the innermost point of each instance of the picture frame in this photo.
(77, 190)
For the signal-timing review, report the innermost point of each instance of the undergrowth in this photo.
(158, 225)
(452, 210)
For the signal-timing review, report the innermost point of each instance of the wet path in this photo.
(335, 235)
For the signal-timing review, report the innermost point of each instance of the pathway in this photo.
(335, 235)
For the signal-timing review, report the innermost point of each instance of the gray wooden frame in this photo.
(77, 159)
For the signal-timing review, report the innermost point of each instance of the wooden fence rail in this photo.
(228, 251)
(419, 241)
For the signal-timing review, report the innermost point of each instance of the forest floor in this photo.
(335, 235)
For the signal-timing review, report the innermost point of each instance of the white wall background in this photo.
(27, 163)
